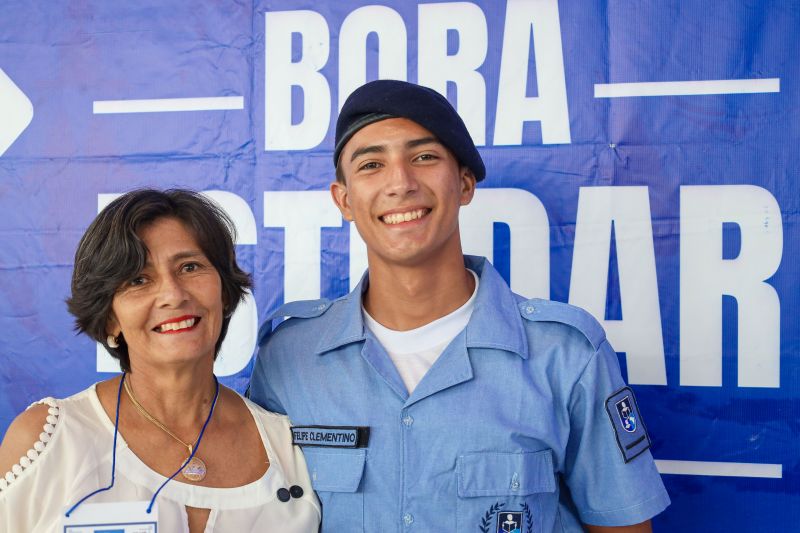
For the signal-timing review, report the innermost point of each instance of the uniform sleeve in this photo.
(261, 389)
(610, 472)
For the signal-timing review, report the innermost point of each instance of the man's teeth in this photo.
(397, 218)
(174, 326)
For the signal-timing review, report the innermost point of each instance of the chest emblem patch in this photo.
(498, 519)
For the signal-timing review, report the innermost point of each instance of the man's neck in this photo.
(403, 297)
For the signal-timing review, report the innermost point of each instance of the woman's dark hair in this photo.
(111, 253)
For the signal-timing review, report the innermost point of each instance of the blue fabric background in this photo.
(64, 55)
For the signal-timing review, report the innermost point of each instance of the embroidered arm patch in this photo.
(331, 436)
(629, 429)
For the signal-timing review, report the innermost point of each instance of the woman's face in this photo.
(170, 312)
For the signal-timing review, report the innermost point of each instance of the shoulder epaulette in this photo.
(301, 309)
(298, 309)
(537, 310)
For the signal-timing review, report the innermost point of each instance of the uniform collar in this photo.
(495, 322)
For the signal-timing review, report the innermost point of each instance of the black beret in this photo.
(382, 99)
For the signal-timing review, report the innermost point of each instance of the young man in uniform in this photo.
(432, 398)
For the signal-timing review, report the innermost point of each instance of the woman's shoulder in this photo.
(264, 415)
(27, 438)
(31, 434)
(275, 427)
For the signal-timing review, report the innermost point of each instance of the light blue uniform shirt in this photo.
(523, 423)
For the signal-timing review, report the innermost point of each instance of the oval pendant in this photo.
(195, 470)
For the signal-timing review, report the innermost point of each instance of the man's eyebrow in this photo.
(424, 140)
(379, 148)
(373, 149)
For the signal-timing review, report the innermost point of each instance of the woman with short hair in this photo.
(156, 282)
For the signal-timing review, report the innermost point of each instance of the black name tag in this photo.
(331, 436)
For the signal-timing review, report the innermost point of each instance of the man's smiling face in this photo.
(403, 189)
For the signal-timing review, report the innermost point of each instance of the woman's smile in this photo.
(178, 325)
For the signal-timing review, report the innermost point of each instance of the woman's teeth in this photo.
(174, 326)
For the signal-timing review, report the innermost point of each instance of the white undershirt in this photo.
(413, 352)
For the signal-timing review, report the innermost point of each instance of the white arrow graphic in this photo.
(16, 112)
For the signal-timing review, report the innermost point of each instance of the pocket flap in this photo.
(505, 474)
(335, 471)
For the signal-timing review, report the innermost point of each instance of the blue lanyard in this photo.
(194, 449)
(114, 450)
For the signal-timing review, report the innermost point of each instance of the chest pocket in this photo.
(511, 492)
(336, 477)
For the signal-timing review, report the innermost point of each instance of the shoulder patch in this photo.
(538, 310)
(629, 430)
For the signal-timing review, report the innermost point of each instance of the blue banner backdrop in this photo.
(641, 164)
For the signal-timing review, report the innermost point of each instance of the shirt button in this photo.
(407, 420)
(408, 519)
(530, 309)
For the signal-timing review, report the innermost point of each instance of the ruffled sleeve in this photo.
(20, 486)
(23, 466)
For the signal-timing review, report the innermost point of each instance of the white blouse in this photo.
(73, 458)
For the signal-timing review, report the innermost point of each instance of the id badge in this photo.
(112, 517)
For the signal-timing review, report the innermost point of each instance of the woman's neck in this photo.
(179, 398)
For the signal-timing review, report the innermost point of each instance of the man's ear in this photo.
(341, 199)
(468, 184)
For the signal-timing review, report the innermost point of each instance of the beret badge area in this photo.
(382, 99)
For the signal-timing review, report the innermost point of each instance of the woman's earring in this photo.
(111, 340)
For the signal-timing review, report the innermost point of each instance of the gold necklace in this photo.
(195, 470)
